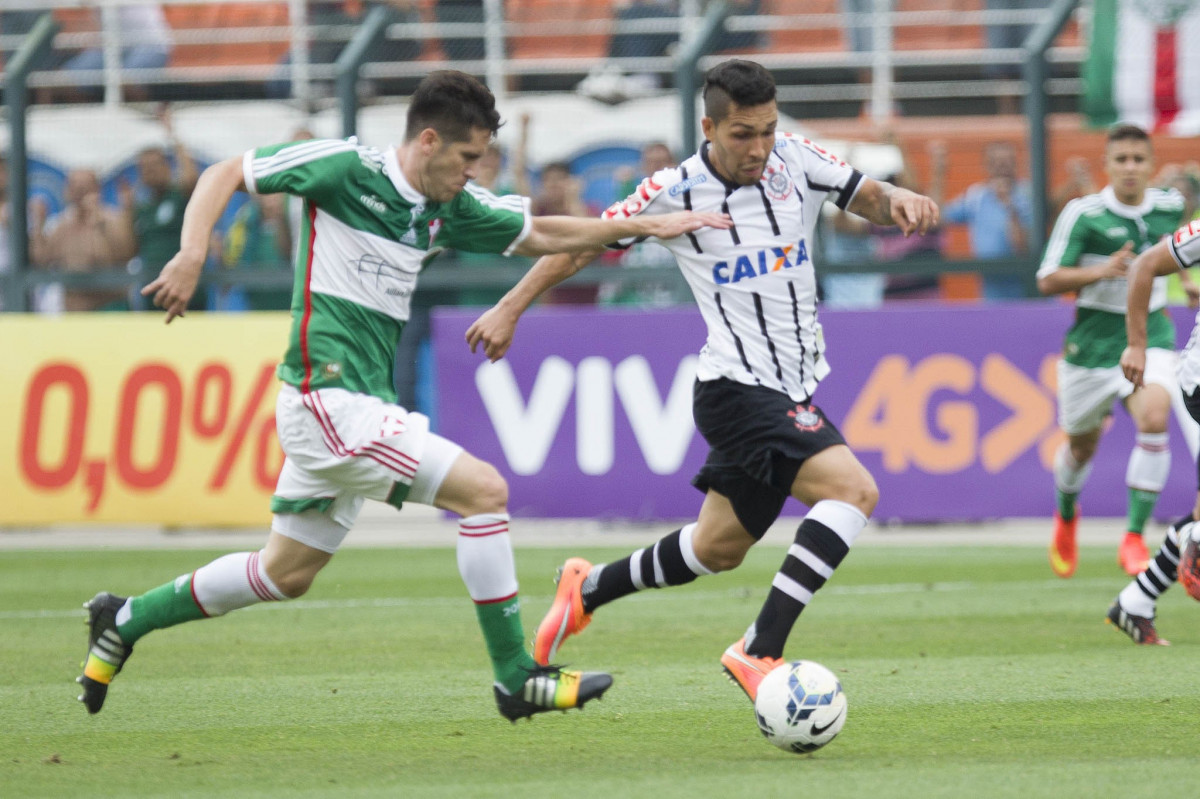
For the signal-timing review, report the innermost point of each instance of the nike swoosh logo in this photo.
(818, 730)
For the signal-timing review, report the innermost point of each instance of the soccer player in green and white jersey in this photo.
(372, 217)
(1093, 243)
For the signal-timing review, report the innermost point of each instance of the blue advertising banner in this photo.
(951, 408)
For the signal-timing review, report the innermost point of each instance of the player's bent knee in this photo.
(489, 491)
(722, 560)
(868, 498)
(292, 583)
(723, 550)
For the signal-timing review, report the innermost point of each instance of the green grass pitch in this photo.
(971, 671)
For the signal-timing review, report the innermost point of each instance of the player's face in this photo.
(742, 141)
(154, 171)
(451, 164)
(1129, 164)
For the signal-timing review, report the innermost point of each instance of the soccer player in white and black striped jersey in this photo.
(758, 370)
(1178, 558)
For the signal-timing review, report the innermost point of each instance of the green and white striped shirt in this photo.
(1088, 231)
(364, 234)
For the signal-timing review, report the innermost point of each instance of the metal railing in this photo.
(502, 70)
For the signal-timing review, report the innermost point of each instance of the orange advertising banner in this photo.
(122, 419)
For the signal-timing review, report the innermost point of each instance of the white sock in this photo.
(233, 581)
(485, 557)
(1135, 601)
(1149, 463)
(1069, 475)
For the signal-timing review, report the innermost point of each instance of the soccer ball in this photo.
(800, 706)
(1189, 559)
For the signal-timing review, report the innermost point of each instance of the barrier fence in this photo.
(120, 419)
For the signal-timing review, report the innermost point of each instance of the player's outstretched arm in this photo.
(1154, 262)
(495, 328)
(884, 204)
(1061, 281)
(176, 283)
(558, 234)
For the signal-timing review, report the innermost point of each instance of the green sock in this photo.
(505, 638)
(165, 606)
(1141, 505)
(1066, 504)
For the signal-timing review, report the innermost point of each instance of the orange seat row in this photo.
(831, 36)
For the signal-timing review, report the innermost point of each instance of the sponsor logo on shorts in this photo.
(806, 419)
(332, 370)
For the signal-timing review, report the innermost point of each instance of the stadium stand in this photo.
(239, 34)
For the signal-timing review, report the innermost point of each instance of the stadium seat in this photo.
(215, 16)
(810, 39)
(589, 45)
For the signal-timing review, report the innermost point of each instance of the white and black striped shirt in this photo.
(754, 283)
(1184, 245)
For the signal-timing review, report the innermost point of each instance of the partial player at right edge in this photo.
(1134, 608)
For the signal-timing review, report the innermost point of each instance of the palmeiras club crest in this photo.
(806, 418)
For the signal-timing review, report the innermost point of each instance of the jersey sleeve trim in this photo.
(846, 195)
(248, 172)
(525, 229)
(1188, 234)
(1060, 236)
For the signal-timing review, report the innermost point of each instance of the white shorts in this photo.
(342, 447)
(1086, 396)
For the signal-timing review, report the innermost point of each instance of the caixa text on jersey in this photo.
(752, 265)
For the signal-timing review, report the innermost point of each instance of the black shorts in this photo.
(759, 439)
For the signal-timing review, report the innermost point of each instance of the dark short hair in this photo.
(155, 150)
(556, 166)
(452, 103)
(1126, 132)
(736, 82)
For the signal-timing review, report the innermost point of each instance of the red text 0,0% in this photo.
(151, 395)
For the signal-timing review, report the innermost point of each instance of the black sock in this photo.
(1163, 569)
(810, 561)
(653, 567)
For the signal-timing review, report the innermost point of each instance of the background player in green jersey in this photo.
(1093, 243)
(372, 217)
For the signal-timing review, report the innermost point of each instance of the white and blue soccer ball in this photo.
(800, 706)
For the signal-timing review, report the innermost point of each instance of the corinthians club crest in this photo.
(776, 182)
(806, 418)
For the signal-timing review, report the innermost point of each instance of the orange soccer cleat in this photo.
(1133, 555)
(566, 616)
(746, 671)
(1064, 554)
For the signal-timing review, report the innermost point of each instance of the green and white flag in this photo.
(1143, 65)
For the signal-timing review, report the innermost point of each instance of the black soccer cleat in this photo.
(106, 654)
(552, 688)
(1139, 628)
